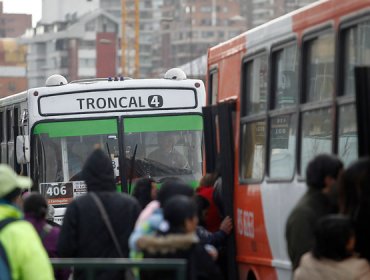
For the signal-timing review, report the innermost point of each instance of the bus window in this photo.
(2, 137)
(252, 163)
(285, 85)
(282, 146)
(255, 86)
(253, 138)
(164, 146)
(356, 52)
(347, 134)
(319, 63)
(213, 90)
(61, 148)
(316, 136)
(10, 137)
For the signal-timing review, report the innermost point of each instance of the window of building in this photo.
(206, 9)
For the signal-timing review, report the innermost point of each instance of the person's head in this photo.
(334, 238)
(208, 180)
(354, 186)
(36, 206)
(98, 172)
(12, 185)
(145, 191)
(181, 214)
(323, 171)
(172, 187)
(166, 141)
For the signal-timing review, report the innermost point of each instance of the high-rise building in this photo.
(258, 12)
(78, 48)
(12, 67)
(13, 25)
(170, 32)
(189, 28)
(12, 55)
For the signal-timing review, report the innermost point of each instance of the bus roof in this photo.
(284, 26)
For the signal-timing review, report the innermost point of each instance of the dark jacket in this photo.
(299, 231)
(49, 237)
(83, 233)
(217, 239)
(200, 265)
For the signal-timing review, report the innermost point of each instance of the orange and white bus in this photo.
(278, 95)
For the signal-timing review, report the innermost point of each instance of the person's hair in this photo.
(171, 188)
(36, 205)
(320, 167)
(332, 234)
(177, 210)
(354, 188)
(143, 191)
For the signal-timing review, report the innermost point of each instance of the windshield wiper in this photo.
(132, 166)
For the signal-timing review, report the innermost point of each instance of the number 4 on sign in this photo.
(155, 101)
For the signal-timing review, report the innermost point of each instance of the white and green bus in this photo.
(48, 132)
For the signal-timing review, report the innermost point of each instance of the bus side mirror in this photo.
(23, 149)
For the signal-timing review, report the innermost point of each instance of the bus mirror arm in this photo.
(23, 149)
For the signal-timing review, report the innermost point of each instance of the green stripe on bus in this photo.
(77, 128)
(142, 124)
(163, 123)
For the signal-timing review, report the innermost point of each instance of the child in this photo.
(177, 239)
(332, 256)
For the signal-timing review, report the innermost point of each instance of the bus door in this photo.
(219, 147)
(362, 76)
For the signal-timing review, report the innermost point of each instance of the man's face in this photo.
(166, 142)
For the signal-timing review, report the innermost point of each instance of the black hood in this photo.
(98, 172)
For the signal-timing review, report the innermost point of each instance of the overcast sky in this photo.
(24, 7)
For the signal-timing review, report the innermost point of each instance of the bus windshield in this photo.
(154, 147)
(168, 146)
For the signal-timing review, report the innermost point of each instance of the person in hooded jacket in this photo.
(84, 233)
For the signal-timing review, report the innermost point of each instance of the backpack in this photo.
(5, 271)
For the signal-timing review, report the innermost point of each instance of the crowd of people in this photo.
(169, 222)
(326, 232)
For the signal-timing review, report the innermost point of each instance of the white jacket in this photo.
(352, 268)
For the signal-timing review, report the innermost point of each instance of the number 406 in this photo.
(54, 191)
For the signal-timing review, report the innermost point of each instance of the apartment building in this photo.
(13, 25)
(12, 55)
(258, 12)
(77, 48)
